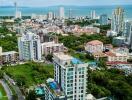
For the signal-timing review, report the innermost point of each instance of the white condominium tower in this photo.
(93, 14)
(50, 15)
(71, 74)
(62, 13)
(29, 47)
(117, 24)
(128, 33)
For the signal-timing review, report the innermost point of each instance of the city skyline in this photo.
(41, 3)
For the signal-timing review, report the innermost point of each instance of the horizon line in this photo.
(69, 5)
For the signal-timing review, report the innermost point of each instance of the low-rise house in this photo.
(119, 41)
(94, 46)
(117, 56)
(78, 30)
(125, 67)
(108, 47)
(51, 47)
(9, 57)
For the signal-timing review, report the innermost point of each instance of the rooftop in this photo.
(8, 53)
(50, 44)
(95, 42)
(63, 56)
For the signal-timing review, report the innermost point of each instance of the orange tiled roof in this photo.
(110, 54)
(95, 42)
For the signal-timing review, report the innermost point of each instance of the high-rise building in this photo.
(50, 15)
(103, 19)
(93, 14)
(18, 14)
(71, 74)
(62, 13)
(117, 24)
(29, 47)
(128, 33)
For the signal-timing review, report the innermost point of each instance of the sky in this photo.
(40, 3)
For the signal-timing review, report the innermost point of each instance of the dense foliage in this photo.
(8, 39)
(74, 42)
(111, 83)
(81, 22)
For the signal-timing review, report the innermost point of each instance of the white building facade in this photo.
(62, 13)
(29, 47)
(71, 75)
(118, 20)
(94, 46)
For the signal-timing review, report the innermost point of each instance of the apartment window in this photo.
(70, 69)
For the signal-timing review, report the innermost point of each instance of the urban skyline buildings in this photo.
(93, 14)
(103, 19)
(17, 12)
(62, 13)
(128, 33)
(117, 23)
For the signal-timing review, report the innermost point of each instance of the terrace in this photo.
(54, 87)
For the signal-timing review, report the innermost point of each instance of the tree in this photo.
(1, 74)
(31, 95)
(102, 63)
(89, 56)
(49, 57)
(20, 81)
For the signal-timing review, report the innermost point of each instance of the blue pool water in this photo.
(53, 85)
(39, 90)
(76, 61)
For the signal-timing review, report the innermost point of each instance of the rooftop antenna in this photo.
(70, 13)
(15, 5)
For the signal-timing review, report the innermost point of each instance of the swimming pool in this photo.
(53, 85)
(39, 90)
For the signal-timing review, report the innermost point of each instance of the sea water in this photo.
(75, 10)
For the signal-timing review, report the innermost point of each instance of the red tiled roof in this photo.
(95, 42)
(110, 54)
(116, 62)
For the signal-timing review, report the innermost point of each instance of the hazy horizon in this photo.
(46, 3)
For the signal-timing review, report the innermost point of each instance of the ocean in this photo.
(75, 10)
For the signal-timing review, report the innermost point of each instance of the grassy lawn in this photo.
(4, 97)
(30, 73)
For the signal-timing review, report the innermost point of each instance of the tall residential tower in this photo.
(29, 47)
(117, 24)
(62, 13)
(128, 33)
(71, 74)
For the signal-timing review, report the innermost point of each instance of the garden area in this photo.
(2, 93)
(77, 43)
(8, 40)
(110, 83)
(30, 74)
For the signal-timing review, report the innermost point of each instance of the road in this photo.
(7, 89)
(15, 87)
